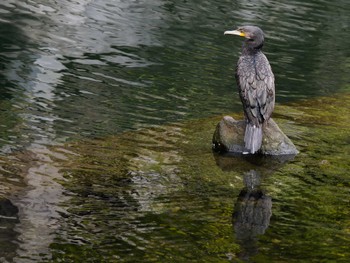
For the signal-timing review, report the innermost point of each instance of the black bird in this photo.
(256, 85)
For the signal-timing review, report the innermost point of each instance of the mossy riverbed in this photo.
(161, 194)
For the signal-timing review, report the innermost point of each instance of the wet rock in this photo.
(229, 137)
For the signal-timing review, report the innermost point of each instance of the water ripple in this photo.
(88, 72)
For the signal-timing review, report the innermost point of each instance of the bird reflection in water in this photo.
(253, 207)
(251, 216)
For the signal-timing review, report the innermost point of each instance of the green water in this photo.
(107, 110)
(163, 203)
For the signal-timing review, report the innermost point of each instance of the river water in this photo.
(78, 72)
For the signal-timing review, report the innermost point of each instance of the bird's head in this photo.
(254, 35)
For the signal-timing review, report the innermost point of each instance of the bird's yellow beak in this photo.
(234, 32)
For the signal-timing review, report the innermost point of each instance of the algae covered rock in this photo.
(229, 134)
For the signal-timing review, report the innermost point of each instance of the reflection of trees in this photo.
(29, 73)
(154, 61)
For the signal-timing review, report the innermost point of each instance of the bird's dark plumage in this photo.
(256, 85)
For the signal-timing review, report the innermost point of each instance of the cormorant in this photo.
(256, 85)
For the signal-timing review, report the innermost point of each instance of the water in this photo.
(97, 99)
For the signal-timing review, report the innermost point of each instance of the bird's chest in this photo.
(249, 65)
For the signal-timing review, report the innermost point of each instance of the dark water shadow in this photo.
(8, 234)
(13, 40)
(253, 207)
(15, 61)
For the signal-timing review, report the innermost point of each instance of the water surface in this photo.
(100, 155)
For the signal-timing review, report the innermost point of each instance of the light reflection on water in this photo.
(83, 69)
(159, 65)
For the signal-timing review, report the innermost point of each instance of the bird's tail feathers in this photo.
(253, 137)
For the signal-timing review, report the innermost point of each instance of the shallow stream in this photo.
(107, 109)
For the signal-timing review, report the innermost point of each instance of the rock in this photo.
(229, 134)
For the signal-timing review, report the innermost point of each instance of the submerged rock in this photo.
(229, 137)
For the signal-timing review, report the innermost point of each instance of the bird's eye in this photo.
(250, 39)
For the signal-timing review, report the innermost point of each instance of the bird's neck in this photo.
(251, 50)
